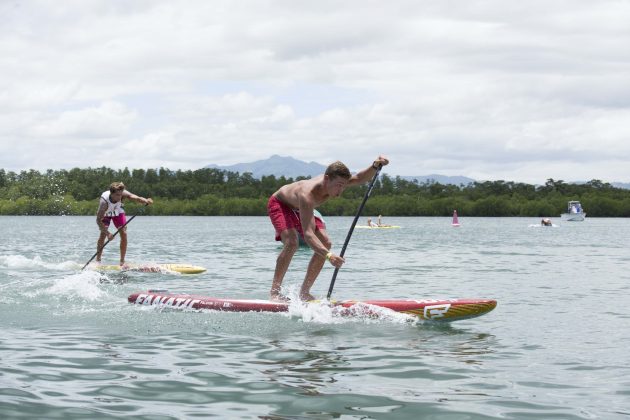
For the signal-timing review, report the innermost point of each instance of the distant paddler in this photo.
(379, 223)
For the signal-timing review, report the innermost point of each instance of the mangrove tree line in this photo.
(211, 192)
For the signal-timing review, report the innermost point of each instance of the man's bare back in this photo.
(301, 192)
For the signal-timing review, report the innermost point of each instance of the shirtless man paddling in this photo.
(291, 212)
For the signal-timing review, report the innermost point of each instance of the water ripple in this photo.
(555, 347)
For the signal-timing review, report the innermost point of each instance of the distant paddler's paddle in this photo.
(354, 223)
(115, 233)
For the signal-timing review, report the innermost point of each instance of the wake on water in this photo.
(93, 291)
(82, 287)
(314, 312)
(21, 262)
(321, 312)
(318, 312)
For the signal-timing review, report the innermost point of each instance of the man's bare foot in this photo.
(277, 297)
(124, 266)
(307, 296)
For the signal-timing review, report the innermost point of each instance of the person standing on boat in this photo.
(110, 209)
(291, 212)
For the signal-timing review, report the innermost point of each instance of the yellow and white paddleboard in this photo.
(152, 268)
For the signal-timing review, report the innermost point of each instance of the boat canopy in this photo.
(574, 207)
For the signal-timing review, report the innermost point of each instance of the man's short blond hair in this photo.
(338, 169)
(116, 187)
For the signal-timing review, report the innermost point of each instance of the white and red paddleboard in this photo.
(426, 309)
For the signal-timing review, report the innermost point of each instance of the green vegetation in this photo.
(212, 192)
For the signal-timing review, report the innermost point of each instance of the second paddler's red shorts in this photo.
(119, 220)
(284, 217)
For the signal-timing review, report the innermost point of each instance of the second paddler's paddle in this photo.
(354, 223)
(115, 233)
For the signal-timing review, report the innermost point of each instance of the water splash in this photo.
(325, 312)
(17, 262)
(84, 285)
(35, 285)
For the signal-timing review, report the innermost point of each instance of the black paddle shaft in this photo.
(109, 240)
(354, 223)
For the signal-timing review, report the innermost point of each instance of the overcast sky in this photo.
(496, 89)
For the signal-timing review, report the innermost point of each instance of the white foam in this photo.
(320, 312)
(22, 262)
(323, 312)
(83, 285)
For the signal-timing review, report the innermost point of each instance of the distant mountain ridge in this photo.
(276, 165)
(288, 166)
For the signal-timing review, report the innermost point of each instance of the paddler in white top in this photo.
(110, 209)
(291, 210)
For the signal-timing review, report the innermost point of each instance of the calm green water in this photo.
(556, 346)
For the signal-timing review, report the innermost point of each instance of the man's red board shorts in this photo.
(284, 217)
(119, 220)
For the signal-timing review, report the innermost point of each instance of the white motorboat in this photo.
(575, 212)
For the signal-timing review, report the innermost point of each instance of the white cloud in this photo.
(109, 120)
(486, 89)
